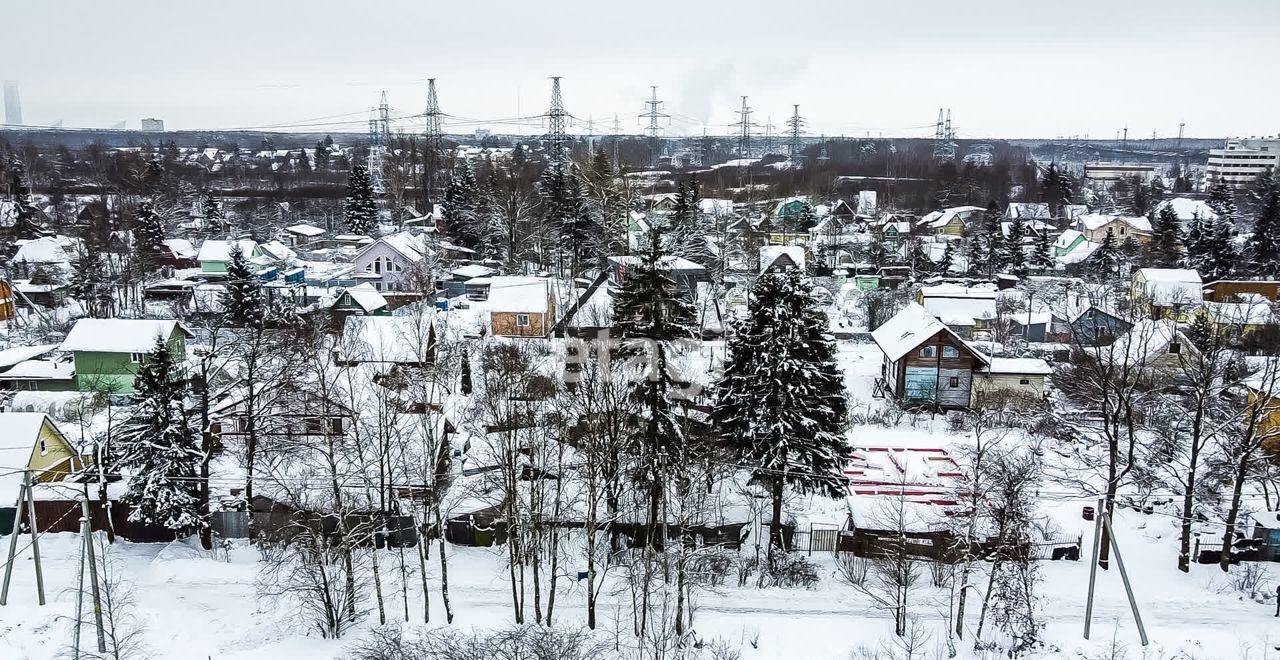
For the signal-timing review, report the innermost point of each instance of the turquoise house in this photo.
(108, 352)
(215, 255)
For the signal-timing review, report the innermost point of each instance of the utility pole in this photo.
(617, 137)
(24, 494)
(653, 113)
(768, 135)
(744, 127)
(557, 139)
(435, 142)
(700, 149)
(796, 125)
(90, 555)
(1105, 525)
(1125, 142)
(379, 127)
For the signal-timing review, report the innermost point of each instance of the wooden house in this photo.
(1096, 226)
(925, 362)
(950, 221)
(1166, 292)
(1011, 381)
(109, 352)
(1095, 326)
(32, 442)
(1237, 290)
(521, 306)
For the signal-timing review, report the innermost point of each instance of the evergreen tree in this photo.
(1218, 253)
(920, 262)
(361, 211)
(877, 252)
(461, 212)
(153, 177)
(1055, 189)
(1263, 248)
(997, 256)
(243, 302)
(1140, 201)
(806, 218)
(148, 236)
(565, 210)
(1016, 254)
(1107, 255)
(25, 223)
(948, 258)
(780, 406)
(1195, 244)
(688, 234)
(89, 282)
(160, 448)
(1200, 332)
(1164, 250)
(650, 314)
(322, 156)
(1043, 258)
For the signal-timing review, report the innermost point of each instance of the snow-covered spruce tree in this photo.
(160, 447)
(243, 303)
(153, 177)
(1107, 255)
(997, 257)
(650, 314)
(1219, 253)
(565, 211)
(1164, 250)
(360, 211)
(89, 282)
(213, 214)
(148, 236)
(688, 235)
(25, 225)
(1263, 248)
(1015, 255)
(948, 259)
(1042, 258)
(781, 403)
(461, 207)
(1055, 188)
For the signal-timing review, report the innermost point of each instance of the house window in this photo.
(1175, 348)
(135, 358)
(522, 320)
(950, 352)
(1088, 314)
(377, 266)
(335, 425)
(953, 382)
(1024, 381)
(929, 351)
(44, 447)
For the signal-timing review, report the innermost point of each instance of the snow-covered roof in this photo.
(412, 248)
(304, 230)
(972, 308)
(397, 339)
(669, 262)
(40, 370)
(1028, 366)
(1029, 210)
(1146, 340)
(12, 356)
(20, 432)
(1066, 238)
(118, 335)
(1096, 221)
(771, 253)
(278, 251)
(907, 329)
(712, 206)
(367, 297)
(1189, 209)
(1242, 313)
(46, 250)
(518, 294)
(219, 250)
(940, 219)
(472, 271)
(1171, 286)
(181, 248)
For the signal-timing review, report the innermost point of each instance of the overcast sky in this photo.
(1006, 68)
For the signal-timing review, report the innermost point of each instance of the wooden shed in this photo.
(925, 362)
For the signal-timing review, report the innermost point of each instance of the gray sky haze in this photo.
(1006, 68)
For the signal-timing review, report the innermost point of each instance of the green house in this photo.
(215, 255)
(1068, 242)
(108, 352)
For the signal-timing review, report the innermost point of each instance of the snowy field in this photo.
(192, 605)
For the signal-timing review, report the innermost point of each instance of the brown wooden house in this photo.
(521, 307)
(1233, 290)
(925, 362)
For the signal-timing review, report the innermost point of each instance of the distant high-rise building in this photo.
(1239, 163)
(154, 125)
(12, 103)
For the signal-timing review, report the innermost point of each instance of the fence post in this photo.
(1196, 555)
(810, 539)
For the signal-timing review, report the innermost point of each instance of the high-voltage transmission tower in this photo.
(654, 113)
(379, 131)
(795, 127)
(768, 135)
(434, 137)
(944, 137)
(557, 118)
(744, 126)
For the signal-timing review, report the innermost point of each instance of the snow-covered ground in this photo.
(192, 605)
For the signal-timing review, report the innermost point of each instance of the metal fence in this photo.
(230, 524)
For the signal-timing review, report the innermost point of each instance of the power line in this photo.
(744, 126)
(654, 130)
(557, 140)
(796, 125)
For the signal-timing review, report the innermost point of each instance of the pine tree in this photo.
(650, 314)
(160, 448)
(1164, 250)
(1015, 254)
(461, 212)
(1043, 258)
(1200, 332)
(1107, 255)
(212, 209)
(153, 177)
(780, 405)
(243, 303)
(1055, 188)
(948, 258)
(322, 156)
(1195, 243)
(25, 223)
(361, 211)
(997, 256)
(1263, 248)
(687, 234)
(148, 236)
